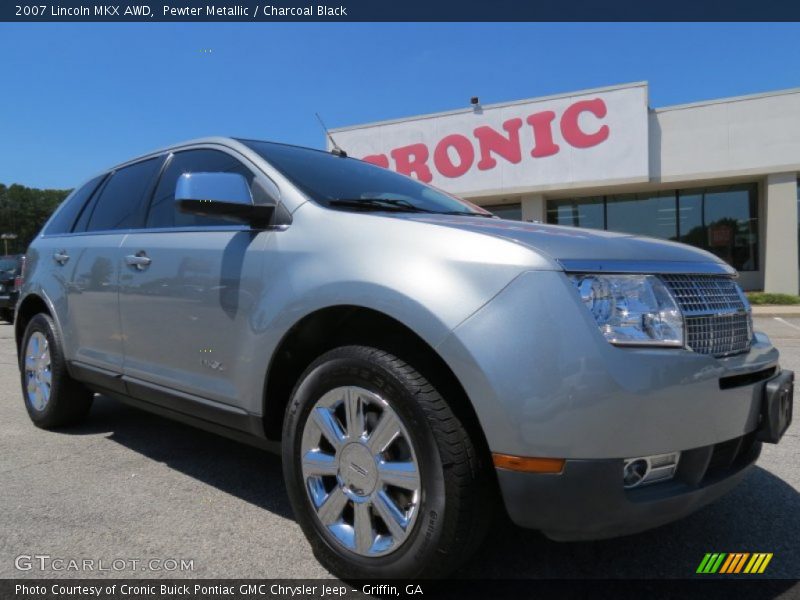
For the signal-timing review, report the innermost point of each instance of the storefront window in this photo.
(643, 214)
(722, 220)
(506, 211)
(577, 212)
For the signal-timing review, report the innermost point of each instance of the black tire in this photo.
(455, 500)
(69, 400)
(7, 314)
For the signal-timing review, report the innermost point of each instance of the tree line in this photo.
(23, 211)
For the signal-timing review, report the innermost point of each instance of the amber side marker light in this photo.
(528, 464)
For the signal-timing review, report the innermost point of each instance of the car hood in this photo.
(569, 246)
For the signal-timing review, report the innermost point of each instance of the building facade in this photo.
(721, 175)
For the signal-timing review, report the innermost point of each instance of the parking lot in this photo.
(130, 485)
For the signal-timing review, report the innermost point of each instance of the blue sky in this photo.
(76, 98)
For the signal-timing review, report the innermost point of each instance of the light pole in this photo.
(5, 237)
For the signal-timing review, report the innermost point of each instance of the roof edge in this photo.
(729, 99)
(609, 88)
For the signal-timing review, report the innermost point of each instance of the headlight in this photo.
(631, 309)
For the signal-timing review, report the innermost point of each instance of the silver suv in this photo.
(421, 365)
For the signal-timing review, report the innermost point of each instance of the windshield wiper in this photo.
(393, 204)
(398, 205)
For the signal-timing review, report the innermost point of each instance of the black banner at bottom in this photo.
(463, 589)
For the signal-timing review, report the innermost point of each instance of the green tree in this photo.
(24, 210)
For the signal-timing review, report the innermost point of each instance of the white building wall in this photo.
(725, 138)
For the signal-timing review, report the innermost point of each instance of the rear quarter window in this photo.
(66, 215)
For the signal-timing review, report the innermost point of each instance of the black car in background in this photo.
(10, 274)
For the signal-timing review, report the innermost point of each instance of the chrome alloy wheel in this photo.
(360, 471)
(38, 374)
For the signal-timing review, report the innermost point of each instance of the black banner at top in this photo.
(397, 10)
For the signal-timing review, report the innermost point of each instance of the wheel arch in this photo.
(30, 306)
(333, 326)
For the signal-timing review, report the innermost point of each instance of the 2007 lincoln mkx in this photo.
(414, 358)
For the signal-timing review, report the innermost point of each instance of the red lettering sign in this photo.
(572, 131)
(454, 154)
(466, 156)
(377, 159)
(543, 134)
(490, 141)
(412, 159)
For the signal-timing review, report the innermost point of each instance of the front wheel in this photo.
(382, 475)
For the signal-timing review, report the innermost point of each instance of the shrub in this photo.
(761, 298)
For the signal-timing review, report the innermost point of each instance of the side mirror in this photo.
(225, 195)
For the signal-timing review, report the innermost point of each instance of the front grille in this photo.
(705, 294)
(715, 311)
(719, 335)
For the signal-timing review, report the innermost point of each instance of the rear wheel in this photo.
(7, 314)
(382, 475)
(52, 397)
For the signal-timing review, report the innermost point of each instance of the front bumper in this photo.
(587, 499)
(545, 383)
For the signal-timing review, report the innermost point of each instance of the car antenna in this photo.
(336, 149)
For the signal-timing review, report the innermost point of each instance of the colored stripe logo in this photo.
(734, 563)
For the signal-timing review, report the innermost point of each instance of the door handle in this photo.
(139, 261)
(61, 257)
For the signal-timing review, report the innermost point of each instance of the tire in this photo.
(451, 507)
(67, 401)
(7, 314)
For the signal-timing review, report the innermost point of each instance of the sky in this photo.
(78, 98)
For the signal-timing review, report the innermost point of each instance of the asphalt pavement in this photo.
(130, 486)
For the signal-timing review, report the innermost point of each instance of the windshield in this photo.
(338, 182)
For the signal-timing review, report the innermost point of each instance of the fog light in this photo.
(649, 469)
(634, 472)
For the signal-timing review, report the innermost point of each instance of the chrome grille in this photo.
(715, 311)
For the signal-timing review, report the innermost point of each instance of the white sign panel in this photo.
(593, 137)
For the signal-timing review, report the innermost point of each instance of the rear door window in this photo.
(163, 212)
(123, 199)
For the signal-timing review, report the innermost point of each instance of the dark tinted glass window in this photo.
(722, 220)
(122, 200)
(326, 177)
(512, 212)
(653, 215)
(66, 215)
(163, 212)
(577, 212)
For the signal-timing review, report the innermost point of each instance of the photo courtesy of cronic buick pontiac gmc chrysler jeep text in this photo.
(414, 358)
